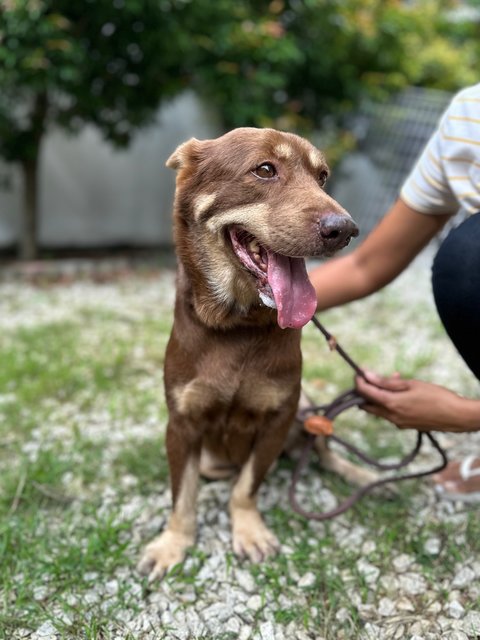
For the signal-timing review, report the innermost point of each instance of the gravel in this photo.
(223, 600)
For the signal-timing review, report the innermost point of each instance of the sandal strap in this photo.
(466, 468)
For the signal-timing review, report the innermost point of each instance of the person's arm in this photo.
(385, 253)
(414, 404)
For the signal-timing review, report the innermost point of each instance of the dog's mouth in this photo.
(282, 281)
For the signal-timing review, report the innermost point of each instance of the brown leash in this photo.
(328, 412)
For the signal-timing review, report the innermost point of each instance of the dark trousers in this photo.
(456, 289)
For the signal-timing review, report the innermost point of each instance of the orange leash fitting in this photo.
(319, 425)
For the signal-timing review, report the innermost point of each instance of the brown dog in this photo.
(249, 207)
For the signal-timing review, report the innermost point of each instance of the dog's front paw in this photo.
(251, 537)
(163, 553)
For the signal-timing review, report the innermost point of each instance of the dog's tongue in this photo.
(293, 292)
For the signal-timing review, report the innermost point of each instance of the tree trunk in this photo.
(28, 232)
(30, 163)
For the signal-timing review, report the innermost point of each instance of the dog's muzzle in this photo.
(336, 231)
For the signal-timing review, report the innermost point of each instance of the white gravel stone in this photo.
(455, 609)
(167, 618)
(389, 582)
(402, 562)
(434, 607)
(405, 605)
(463, 578)
(371, 632)
(235, 594)
(419, 627)
(327, 500)
(386, 607)
(279, 635)
(369, 571)
(255, 603)
(367, 611)
(194, 623)
(245, 632)
(307, 580)
(267, 631)
(354, 596)
(399, 632)
(412, 584)
(432, 546)
(444, 622)
(91, 597)
(91, 576)
(368, 547)
(245, 580)
(218, 611)
(301, 635)
(342, 615)
(233, 626)
(111, 587)
(181, 628)
(210, 569)
(46, 629)
(241, 610)
(471, 623)
(40, 593)
(352, 538)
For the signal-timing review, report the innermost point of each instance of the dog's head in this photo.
(253, 200)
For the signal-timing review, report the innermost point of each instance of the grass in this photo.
(82, 465)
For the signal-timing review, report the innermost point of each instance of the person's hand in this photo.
(413, 404)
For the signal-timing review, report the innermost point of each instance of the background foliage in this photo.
(284, 63)
(294, 61)
(111, 62)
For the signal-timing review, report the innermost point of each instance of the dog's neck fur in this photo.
(216, 297)
(215, 311)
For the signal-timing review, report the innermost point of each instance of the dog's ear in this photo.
(183, 153)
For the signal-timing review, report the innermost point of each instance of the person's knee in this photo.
(456, 267)
(456, 286)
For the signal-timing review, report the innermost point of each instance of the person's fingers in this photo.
(374, 409)
(395, 383)
(370, 391)
(380, 412)
(372, 377)
(392, 383)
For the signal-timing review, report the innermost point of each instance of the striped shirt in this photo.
(446, 178)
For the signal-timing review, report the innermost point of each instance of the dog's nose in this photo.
(337, 230)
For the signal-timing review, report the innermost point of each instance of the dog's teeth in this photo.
(267, 300)
(254, 246)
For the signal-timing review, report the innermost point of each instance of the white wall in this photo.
(94, 195)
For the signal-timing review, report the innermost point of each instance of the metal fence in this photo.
(392, 136)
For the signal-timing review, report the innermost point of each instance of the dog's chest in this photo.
(204, 396)
(227, 382)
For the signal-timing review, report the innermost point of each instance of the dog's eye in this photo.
(265, 171)
(322, 178)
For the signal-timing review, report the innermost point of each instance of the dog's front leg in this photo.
(251, 537)
(170, 548)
